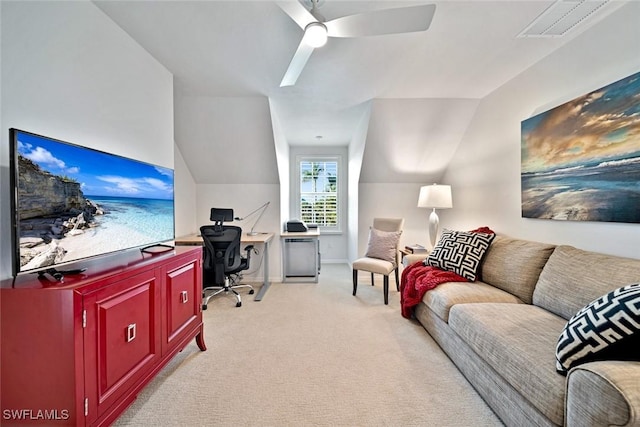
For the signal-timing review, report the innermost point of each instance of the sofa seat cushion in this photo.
(441, 299)
(374, 265)
(518, 341)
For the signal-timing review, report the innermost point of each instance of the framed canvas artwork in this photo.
(581, 160)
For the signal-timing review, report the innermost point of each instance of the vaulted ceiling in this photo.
(224, 49)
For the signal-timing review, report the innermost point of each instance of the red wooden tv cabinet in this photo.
(77, 352)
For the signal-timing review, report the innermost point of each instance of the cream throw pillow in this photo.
(383, 244)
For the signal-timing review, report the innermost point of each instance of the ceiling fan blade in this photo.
(386, 21)
(297, 12)
(298, 62)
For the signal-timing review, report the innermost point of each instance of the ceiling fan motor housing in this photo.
(315, 34)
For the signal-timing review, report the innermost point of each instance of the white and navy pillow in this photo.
(460, 252)
(606, 329)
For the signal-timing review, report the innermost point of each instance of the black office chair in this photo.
(222, 260)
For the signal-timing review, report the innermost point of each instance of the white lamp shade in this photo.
(435, 196)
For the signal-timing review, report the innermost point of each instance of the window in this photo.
(319, 192)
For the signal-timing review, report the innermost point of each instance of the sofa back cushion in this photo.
(514, 265)
(572, 278)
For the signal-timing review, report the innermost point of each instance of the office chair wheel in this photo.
(204, 306)
(251, 292)
(238, 304)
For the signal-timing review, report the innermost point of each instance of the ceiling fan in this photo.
(378, 22)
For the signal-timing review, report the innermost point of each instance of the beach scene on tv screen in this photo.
(74, 202)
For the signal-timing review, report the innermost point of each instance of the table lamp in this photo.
(434, 197)
(263, 208)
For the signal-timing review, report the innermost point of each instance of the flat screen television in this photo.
(71, 202)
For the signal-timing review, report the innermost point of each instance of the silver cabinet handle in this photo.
(131, 332)
(184, 297)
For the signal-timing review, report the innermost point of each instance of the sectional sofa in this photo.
(502, 332)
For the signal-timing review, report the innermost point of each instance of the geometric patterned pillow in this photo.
(383, 245)
(460, 252)
(606, 329)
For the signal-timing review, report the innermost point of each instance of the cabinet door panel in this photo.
(183, 298)
(125, 334)
(122, 338)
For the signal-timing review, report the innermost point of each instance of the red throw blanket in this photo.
(417, 279)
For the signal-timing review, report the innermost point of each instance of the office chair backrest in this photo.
(222, 251)
(221, 214)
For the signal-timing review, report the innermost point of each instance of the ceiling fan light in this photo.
(315, 34)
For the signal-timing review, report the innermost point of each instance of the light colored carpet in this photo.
(311, 355)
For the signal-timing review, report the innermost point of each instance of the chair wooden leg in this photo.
(355, 281)
(372, 279)
(397, 281)
(386, 289)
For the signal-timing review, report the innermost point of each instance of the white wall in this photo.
(185, 197)
(70, 73)
(228, 146)
(392, 201)
(356, 153)
(409, 143)
(226, 140)
(485, 172)
(413, 140)
(282, 157)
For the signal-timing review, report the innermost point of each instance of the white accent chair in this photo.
(378, 265)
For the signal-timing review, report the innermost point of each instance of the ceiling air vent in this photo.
(562, 16)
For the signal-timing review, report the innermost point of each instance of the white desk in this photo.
(260, 238)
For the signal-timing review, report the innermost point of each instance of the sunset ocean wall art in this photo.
(581, 160)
